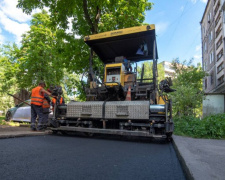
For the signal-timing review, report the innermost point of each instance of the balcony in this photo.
(216, 10)
(218, 21)
(218, 43)
(218, 30)
(220, 80)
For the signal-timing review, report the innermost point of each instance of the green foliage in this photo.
(91, 16)
(38, 58)
(8, 68)
(212, 126)
(87, 17)
(7, 80)
(148, 73)
(187, 99)
(46, 50)
(2, 121)
(11, 123)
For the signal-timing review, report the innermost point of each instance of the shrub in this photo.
(212, 126)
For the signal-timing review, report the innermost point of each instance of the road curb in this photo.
(6, 136)
(185, 168)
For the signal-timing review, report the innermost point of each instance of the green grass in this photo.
(10, 123)
(212, 126)
(2, 120)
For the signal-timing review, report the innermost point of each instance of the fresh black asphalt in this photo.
(76, 157)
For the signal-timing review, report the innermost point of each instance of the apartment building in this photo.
(168, 68)
(213, 47)
(213, 57)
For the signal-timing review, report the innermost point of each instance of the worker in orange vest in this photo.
(37, 99)
(46, 108)
(61, 101)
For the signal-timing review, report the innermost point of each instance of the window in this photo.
(210, 36)
(205, 64)
(220, 67)
(217, 19)
(205, 83)
(211, 57)
(219, 55)
(217, 8)
(218, 30)
(205, 47)
(221, 80)
(219, 42)
(212, 78)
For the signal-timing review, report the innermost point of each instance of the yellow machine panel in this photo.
(118, 32)
(114, 74)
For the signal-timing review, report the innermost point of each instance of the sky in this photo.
(177, 23)
(178, 28)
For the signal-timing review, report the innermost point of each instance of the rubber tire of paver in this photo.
(8, 116)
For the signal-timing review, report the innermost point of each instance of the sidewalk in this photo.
(17, 131)
(202, 159)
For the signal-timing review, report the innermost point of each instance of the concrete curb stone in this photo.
(12, 132)
(201, 159)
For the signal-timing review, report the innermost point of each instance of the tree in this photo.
(7, 78)
(148, 73)
(38, 58)
(91, 16)
(187, 99)
(88, 17)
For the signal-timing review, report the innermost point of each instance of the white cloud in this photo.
(197, 59)
(13, 20)
(161, 27)
(197, 56)
(204, 1)
(8, 7)
(13, 27)
(194, 1)
(198, 48)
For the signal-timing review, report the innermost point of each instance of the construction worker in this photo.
(37, 98)
(61, 101)
(125, 63)
(46, 109)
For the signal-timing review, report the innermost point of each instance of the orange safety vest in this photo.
(37, 98)
(45, 104)
(54, 101)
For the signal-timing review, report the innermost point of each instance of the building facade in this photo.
(213, 59)
(213, 48)
(168, 69)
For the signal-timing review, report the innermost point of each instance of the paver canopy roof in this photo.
(136, 44)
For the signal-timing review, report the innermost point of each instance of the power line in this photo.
(185, 10)
(194, 40)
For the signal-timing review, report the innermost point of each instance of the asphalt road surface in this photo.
(77, 157)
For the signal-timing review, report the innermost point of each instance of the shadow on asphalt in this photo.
(114, 137)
